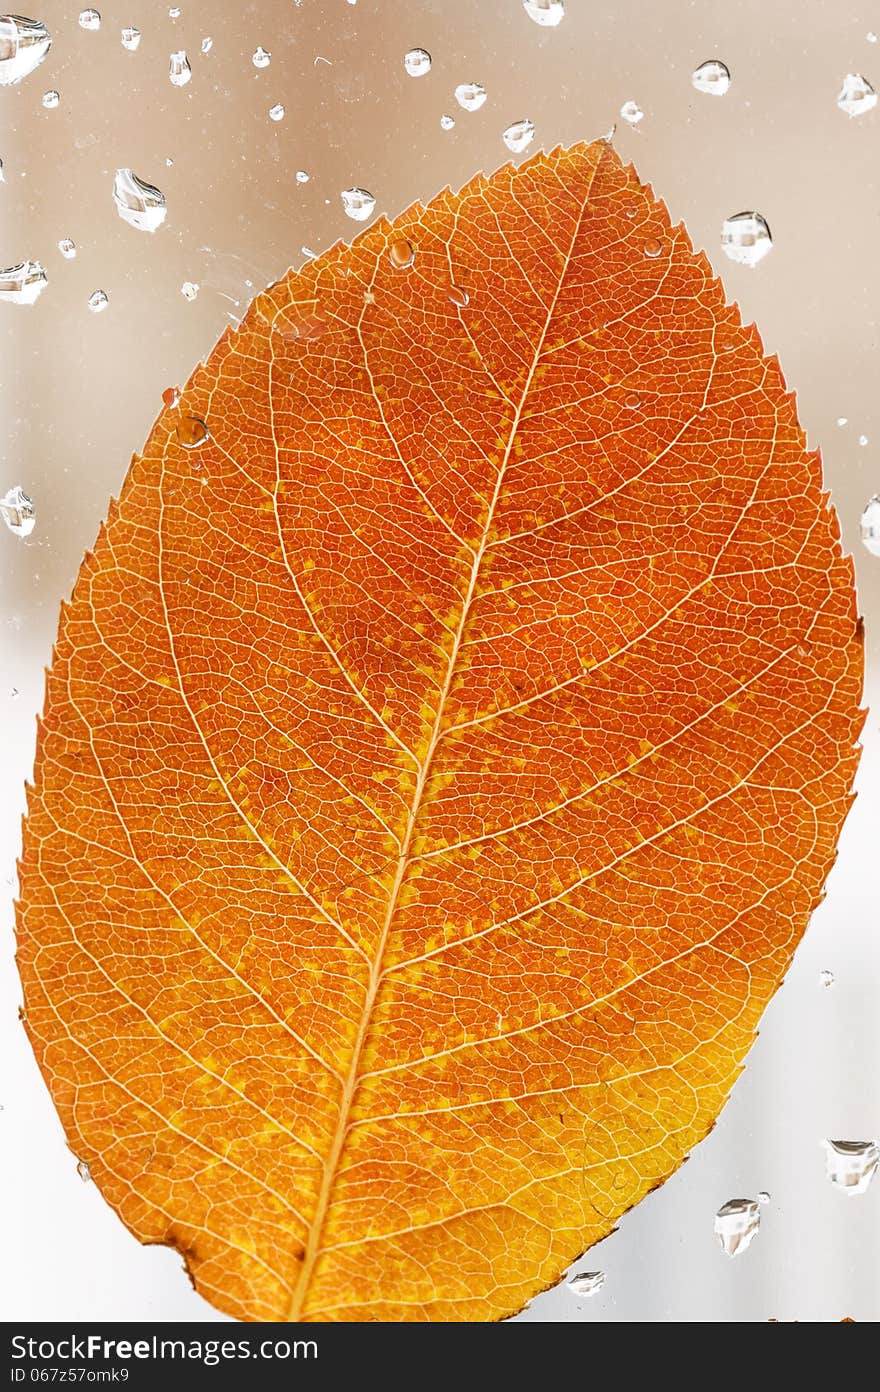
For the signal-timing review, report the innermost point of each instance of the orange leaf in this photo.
(444, 748)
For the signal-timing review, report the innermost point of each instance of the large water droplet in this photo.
(519, 136)
(447, 122)
(261, 57)
(586, 1282)
(276, 112)
(18, 511)
(417, 62)
(736, 1224)
(67, 248)
(98, 301)
(358, 203)
(470, 95)
(24, 283)
(712, 77)
(632, 112)
(851, 1165)
(24, 44)
(138, 203)
(546, 12)
(856, 95)
(179, 69)
(131, 38)
(83, 1171)
(869, 525)
(51, 100)
(89, 19)
(745, 238)
(192, 432)
(401, 254)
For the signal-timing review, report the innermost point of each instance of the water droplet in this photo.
(519, 136)
(401, 254)
(763, 1196)
(841, 420)
(417, 62)
(14, 693)
(586, 1282)
(138, 203)
(189, 290)
(22, 1014)
(850, 1165)
(131, 38)
(2, 175)
(261, 57)
(179, 69)
(276, 112)
(632, 112)
(470, 95)
(745, 238)
(736, 1223)
(712, 77)
(83, 1171)
(856, 95)
(546, 12)
(459, 296)
(309, 252)
(826, 978)
(89, 19)
(24, 44)
(67, 248)
(633, 403)
(22, 284)
(171, 396)
(207, 44)
(302, 177)
(98, 301)
(51, 99)
(863, 440)
(174, 12)
(871, 36)
(869, 524)
(358, 203)
(447, 122)
(18, 511)
(192, 432)
(652, 247)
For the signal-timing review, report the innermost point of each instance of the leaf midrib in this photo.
(352, 1079)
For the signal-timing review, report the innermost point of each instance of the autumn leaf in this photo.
(444, 748)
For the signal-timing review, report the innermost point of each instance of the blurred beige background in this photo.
(80, 390)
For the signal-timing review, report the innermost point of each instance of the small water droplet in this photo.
(633, 403)
(22, 1014)
(711, 77)
(170, 397)
(459, 296)
(856, 95)
(174, 12)
(417, 62)
(745, 238)
(736, 1224)
(652, 247)
(261, 57)
(18, 511)
(826, 978)
(586, 1282)
(302, 177)
(871, 36)
(51, 99)
(179, 70)
(863, 440)
(869, 525)
(763, 1196)
(309, 252)
(841, 420)
(470, 95)
(358, 203)
(67, 248)
(131, 38)
(276, 112)
(98, 301)
(138, 203)
(189, 290)
(401, 254)
(851, 1165)
(546, 12)
(447, 122)
(632, 112)
(14, 693)
(192, 432)
(24, 283)
(24, 44)
(89, 19)
(83, 1171)
(519, 136)
(207, 44)
(2, 175)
